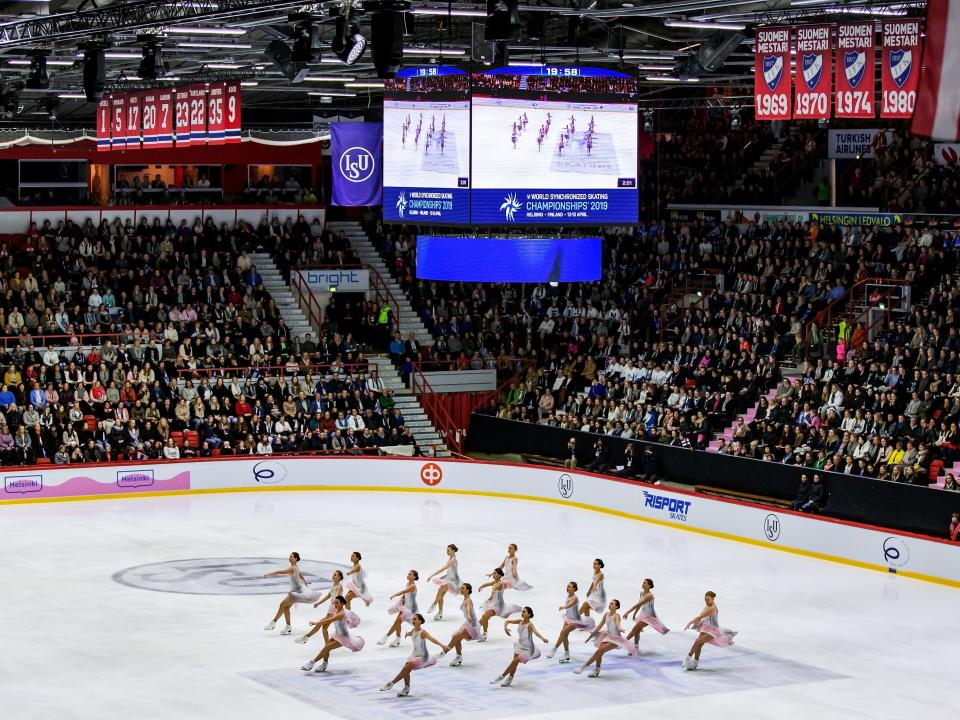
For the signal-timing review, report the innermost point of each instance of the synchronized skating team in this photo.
(605, 633)
(566, 136)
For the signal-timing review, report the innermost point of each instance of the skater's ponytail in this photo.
(711, 593)
(296, 556)
(498, 572)
(453, 547)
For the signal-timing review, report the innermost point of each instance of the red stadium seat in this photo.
(90, 422)
(935, 467)
(177, 438)
(191, 438)
(43, 461)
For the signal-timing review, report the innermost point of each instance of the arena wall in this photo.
(838, 541)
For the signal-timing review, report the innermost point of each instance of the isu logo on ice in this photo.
(901, 63)
(510, 206)
(431, 474)
(773, 70)
(401, 204)
(812, 70)
(854, 66)
(357, 164)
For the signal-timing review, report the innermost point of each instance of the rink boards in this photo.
(862, 546)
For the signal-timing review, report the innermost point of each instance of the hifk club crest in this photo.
(854, 66)
(901, 64)
(772, 71)
(812, 70)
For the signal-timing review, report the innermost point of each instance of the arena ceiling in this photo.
(226, 39)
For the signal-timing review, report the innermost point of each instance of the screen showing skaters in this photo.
(524, 648)
(645, 614)
(470, 630)
(300, 592)
(405, 607)
(608, 636)
(357, 582)
(596, 596)
(419, 657)
(495, 604)
(336, 588)
(449, 583)
(707, 623)
(572, 620)
(511, 579)
(339, 637)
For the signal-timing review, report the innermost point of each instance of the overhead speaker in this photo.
(280, 55)
(482, 50)
(38, 78)
(151, 64)
(503, 21)
(386, 33)
(536, 24)
(94, 74)
(307, 43)
(713, 52)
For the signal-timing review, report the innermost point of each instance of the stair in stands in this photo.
(409, 318)
(748, 417)
(426, 435)
(293, 316)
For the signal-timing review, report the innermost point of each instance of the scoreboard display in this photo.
(554, 145)
(426, 130)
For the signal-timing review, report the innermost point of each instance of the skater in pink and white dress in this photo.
(449, 583)
(608, 636)
(356, 584)
(405, 607)
(596, 599)
(511, 580)
(336, 588)
(300, 592)
(339, 637)
(418, 659)
(524, 648)
(495, 604)
(470, 630)
(572, 620)
(645, 614)
(708, 625)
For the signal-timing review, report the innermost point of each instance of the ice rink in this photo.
(416, 163)
(497, 163)
(83, 638)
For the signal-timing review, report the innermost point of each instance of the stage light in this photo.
(279, 54)
(503, 21)
(736, 120)
(348, 44)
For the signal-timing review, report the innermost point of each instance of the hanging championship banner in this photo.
(103, 123)
(164, 107)
(148, 111)
(216, 113)
(133, 121)
(772, 73)
(856, 55)
(356, 164)
(232, 113)
(118, 122)
(198, 114)
(182, 100)
(899, 68)
(814, 72)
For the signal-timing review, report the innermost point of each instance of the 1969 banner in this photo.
(772, 74)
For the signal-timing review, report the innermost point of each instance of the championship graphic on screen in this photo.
(426, 146)
(554, 145)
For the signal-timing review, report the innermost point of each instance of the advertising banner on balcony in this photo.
(814, 72)
(772, 73)
(856, 74)
(336, 279)
(900, 68)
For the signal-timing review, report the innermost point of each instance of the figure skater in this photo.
(572, 620)
(357, 585)
(511, 580)
(607, 637)
(596, 596)
(336, 588)
(524, 649)
(299, 593)
(449, 583)
(405, 607)
(470, 630)
(495, 604)
(647, 614)
(707, 624)
(418, 659)
(339, 637)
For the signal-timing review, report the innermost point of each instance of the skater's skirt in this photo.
(306, 596)
(472, 631)
(398, 608)
(353, 643)
(515, 584)
(418, 663)
(721, 637)
(597, 603)
(351, 618)
(586, 623)
(362, 594)
(654, 622)
(503, 611)
(525, 655)
(450, 585)
(606, 637)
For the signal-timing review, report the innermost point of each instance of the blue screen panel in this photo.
(526, 260)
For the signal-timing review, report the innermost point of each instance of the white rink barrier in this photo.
(850, 543)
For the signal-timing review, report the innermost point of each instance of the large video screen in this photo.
(426, 146)
(554, 145)
(525, 260)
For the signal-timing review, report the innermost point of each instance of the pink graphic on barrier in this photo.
(116, 482)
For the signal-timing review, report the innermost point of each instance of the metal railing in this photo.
(70, 340)
(274, 371)
(311, 306)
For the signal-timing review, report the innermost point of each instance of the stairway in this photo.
(409, 318)
(293, 316)
(425, 434)
(748, 416)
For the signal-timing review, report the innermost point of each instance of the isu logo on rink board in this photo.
(678, 509)
(895, 552)
(565, 486)
(357, 164)
(771, 527)
(269, 472)
(431, 474)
